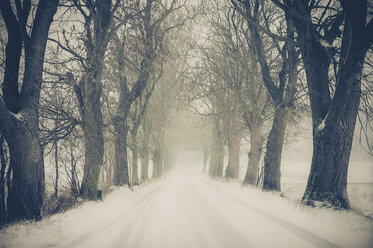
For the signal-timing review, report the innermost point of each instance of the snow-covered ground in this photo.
(189, 210)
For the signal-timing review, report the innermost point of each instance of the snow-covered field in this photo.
(189, 210)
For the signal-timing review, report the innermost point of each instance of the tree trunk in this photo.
(213, 160)
(332, 144)
(232, 170)
(145, 150)
(217, 159)
(220, 162)
(135, 174)
(56, 168)
(97, 39)
(272, 158)
(25, 195)
(26, 187)
(93, 137)
(121, 176)
(75, 187)
(217, 151)
(256, 144)
(206, 154)
(2, 182)
(144, 164)
(156, 163)
(233, 167)
(334, 118)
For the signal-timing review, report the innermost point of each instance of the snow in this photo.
(189, 210)
(324, 43)
(321, 126)
(18, 115)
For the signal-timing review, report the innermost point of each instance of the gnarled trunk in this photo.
(144, 164)
(272, 158)
(145, 150)
(233, 167)
(26, 191)
(333, 114)
(3, 165)
(93, 138)
(332, 144)
(26, 186)
(135, 174)
(121, 176)
(256, 144)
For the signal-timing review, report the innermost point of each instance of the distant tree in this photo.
(141, 53)
(232, 58)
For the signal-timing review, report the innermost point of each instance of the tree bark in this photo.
(121, 176)
(2, 182)
(272, 158)
(333, 115)
(232, 171)
(93, 137)
(97, 27)
(56, 168)
(128, 96)
(145, 150)
(233, 167)
(256, 144)
(26, 189)
(13, 52)
(217, 153)
(135, 174)
(157, 170)
(332, 144)
(25, 195)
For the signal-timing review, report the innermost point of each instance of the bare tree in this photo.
(152, 26)
(283, 93)
(99, 28)
(19, 118)
(334, 100)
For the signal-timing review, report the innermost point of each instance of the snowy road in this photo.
(188, 210)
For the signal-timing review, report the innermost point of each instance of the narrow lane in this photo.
(187, 211)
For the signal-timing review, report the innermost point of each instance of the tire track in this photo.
(82, 238)
(133, 234)
(219, 225)
(295, 229)
(195, 219)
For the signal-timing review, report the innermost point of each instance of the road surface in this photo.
(184, 210)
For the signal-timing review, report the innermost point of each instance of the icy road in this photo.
(189, 210)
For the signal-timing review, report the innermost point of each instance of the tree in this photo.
(150, 28)
(4, 172)
(282, 93)
(334, 100)
(137, 117)
(19, 111)
(98, 24)
(233, 60)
